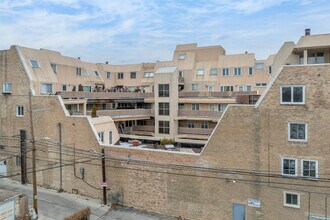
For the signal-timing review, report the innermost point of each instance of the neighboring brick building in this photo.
(264, 161)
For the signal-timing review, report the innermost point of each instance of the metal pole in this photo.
(34, 175)
(104, 180)
(60, 147)
(23, 156)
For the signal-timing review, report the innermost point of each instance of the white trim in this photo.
(292, 103)
(110, 130)
(306, 132)
(66, 112)
(291, 205)
(17, 107)
(296, 166)
(99, 138)
(316, 168)
(222, 69)
(45, 83)
(89, 119)
(26, 68)
(37, 63)
(4, 91)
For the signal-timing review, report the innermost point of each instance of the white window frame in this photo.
(101, 136)
(195, 106)
(148, 75)
(240, 86)
(182, 56)
(132, 75)
(261, 85)
(252, 71)
(296, 166)
(200, 72)
(231, 88)
(205, 125)
(96, 74)
(213, 71)
(110, 133)
(78, 71)
(84, 72)
(291, 205)
(306, 132)
(66, 87)
(225, 72)
(195, 85)
(259, 66)
(190, 124)
(237, 71)
(37, 62)
(108, 75)
(46, 93)
(223, 106)
(210, 88)
(316, 168)
(19, 110)
(246, 87)
(5, 87)
(291, 102)
(120, 74)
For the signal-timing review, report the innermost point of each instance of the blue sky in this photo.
(135, 31)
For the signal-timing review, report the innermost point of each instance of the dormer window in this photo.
(182, 56)
(54, 67)
(85, 72)
(34, 63)
(96, 74)
(7, 88)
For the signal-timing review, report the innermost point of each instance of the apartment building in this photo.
(268, 160)
(181, 99)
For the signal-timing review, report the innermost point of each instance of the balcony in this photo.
(104, 95)
(143, 130)
(128, 114)
(214, 94)
(196, 131)
(191, 114)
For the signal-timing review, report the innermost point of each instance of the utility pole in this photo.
(23, 156)
(60, 148)
(34, 175)
(104, 179)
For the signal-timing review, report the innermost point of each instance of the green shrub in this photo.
(94, 114)
(166, 141)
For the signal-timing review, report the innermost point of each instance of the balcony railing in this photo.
(199, 114)
(197, 131)
(143, 128)
(104, 95)
(214, 94)
(125, 113)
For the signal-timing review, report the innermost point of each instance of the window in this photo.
(195, 107)
(87, 88)
(301, 59)
(78, 71)
(210, 88)
(213, 72)
(250, 71)
(194, 87)
(108, 75)
(181, 105)
(289, 167)
(225, 72)
(297, 131)
(191, 124)
(46, 88)
(104, 106)
(291, 199)
(200, 72)
(96, 74)
(34, 64)
(133, 75)
(214, 107)
(110, 137)
(314, 58)
(163, 90)
(101, 136)
(89, 106)
(240, 88)
(226, 88)
(120, 76)
(63, 87)
(148, 75)
(248, 88)
(259, 66)
(164, 108)
(309, 168)
(261, 84)
(270, 69)
(204, 125)
(182, 56)
(142, 122)
(18, 160)
(74, 87)
(292, 94)
(164, 127)
(54, 67)
(7, 87)
(85, 72)
(237, 71)
(19, 110)
(222, 107)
